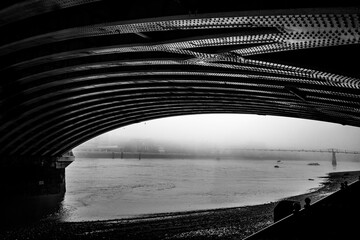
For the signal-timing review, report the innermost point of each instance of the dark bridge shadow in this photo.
(18, 211)
(334, 217)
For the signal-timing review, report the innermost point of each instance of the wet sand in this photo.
(229, 223)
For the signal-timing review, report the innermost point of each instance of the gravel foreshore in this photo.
(228, 223)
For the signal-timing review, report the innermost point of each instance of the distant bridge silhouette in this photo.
(330, 150)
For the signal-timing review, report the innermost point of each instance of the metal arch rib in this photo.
(213, 62)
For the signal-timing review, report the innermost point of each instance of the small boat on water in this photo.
(314, 164)
(276, 166)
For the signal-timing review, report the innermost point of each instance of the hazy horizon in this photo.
(235, 130)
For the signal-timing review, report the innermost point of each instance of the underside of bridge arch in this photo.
(71, 70)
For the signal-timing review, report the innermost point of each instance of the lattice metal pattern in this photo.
(300, 31)
(64, 86)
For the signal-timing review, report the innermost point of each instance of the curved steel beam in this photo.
(83, 123)
(54, 126)
(56, 110)
(70, 78)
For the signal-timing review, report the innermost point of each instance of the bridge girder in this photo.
(71, 70)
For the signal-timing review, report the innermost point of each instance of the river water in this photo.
(99, 189)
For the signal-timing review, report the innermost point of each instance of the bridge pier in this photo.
(32, 181)
(333, 161)
(31, 187)
(31, 176)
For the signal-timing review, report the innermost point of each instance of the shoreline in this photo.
(222, 223)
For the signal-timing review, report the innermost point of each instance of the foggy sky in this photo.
(234, 130)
